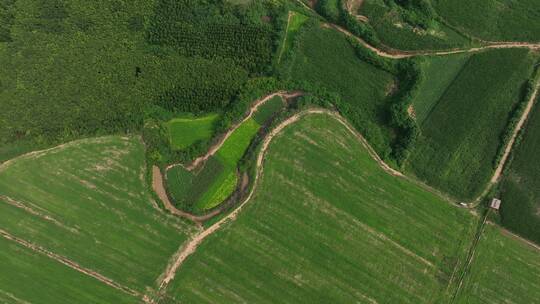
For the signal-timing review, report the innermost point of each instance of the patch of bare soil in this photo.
(411, 112)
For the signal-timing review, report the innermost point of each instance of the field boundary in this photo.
(509, 146)
(69, 263)
(392, 53)
(191, 246)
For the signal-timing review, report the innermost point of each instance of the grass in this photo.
(441, 71)
(520, 188)
(268, 110)
(28, 277)
(295, 21)
(88, 201)
(395, 32)
(327, 224)
(217, 180)
(324, 58)
(493, 20)
(462, 133)
(183, 132)
(505, 270)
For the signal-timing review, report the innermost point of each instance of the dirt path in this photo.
(397, 54)
(190, 247)
(69, 263)
(159, 189)
(214, 148)
(36, 211)
(509, 146)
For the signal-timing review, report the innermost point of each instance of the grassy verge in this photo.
(183, 132)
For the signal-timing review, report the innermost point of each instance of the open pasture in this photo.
(461, 135)
(88, 201)
(493, 20)
(183, 132)
(323, 213)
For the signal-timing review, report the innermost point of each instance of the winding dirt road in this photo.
(190, 247)
(399, 54)
(214, 148)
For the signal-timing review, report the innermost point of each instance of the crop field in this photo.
(324, 58)
(211, 185)
(441, 71)
(504, 270)
(520, 187)
(493, 20)
(268, 109)
(87, 201)
(51, 282)
(460, 137)
(323, 213)
(396, 33)
(184, 132)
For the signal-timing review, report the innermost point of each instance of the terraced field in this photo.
(206, 187)
(323, 213)
(461, 134)
(86, 203)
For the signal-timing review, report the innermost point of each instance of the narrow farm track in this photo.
(400, 54)
(191, 246)
(508, 149)
(71, 264)
(158, 184)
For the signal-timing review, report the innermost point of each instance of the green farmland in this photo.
(184, 132)
(520, 187)
(493, 20)
(324, 58)
(87, 201)
(207, 187)
(51, 281)
(504, 270)
(460, 137)
(322, 217)
(394, 30)
(441, 72)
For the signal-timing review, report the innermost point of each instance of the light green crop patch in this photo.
(183, 132)
(235, 146)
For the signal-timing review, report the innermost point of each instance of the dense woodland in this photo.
(84, 68)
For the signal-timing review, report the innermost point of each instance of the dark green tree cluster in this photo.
(214, 30)
(415, 12)
(410, 76)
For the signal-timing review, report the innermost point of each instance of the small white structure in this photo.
(495, 203)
